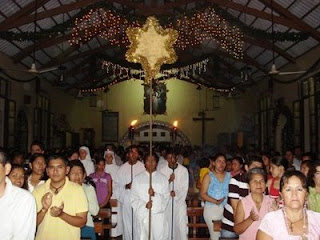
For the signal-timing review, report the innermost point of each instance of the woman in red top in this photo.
(278, 167)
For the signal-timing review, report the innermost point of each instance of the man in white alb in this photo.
(17, 208)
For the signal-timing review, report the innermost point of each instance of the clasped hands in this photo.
(149, 203)
(46, 204)
(253, 216)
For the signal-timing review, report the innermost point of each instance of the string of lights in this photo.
(134, 78)
(192, 30)
(195, 68)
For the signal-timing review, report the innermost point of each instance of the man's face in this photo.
(57, 170)
(171, 158)
(36, 149)
(134, 154)
(151, 164)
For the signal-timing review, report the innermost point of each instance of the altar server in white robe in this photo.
(178, 178)
(123, 182)
(112, 168)
(141, 203)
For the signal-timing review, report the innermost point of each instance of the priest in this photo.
(155, 199)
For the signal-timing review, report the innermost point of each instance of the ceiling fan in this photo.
(33, 69)
(274, 71)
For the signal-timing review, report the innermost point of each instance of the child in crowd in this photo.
(305, 166)
(103, 183)
(278, 167)
(17, 176)
(237, 166)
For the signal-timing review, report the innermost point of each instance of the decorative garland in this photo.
(119, 79)
(192, 30)
(62, 28)
(195, 68)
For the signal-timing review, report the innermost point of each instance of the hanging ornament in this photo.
(152, 46)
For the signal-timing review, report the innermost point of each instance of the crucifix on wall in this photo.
(202, 117)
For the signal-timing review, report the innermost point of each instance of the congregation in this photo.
(245, 195)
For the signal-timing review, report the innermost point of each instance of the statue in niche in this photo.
(159, 99)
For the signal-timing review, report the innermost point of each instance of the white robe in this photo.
(162, 162)
(87, 162)
(139, 199)
(122, 178)
(180, 218)
(112, 169)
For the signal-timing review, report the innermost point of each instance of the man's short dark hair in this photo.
(54, 157)
(3, 158)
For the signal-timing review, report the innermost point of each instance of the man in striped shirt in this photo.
(238, 188)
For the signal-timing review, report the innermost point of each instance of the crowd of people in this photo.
(55, 195)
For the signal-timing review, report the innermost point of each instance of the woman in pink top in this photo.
(251, 209)
(294, 221)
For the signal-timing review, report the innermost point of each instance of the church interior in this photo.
(248, 71)
(215, 75)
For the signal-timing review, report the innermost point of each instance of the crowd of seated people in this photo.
(244, 195)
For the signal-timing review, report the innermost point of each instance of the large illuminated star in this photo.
(151, 46)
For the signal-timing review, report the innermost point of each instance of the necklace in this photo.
(57, 189)
(304, 236)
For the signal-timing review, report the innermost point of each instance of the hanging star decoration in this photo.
(152, 46)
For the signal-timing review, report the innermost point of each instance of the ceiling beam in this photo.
(40, 45)
(81, 55)
(267, 45)
(26, 10)
(257, 13)
(58, 60)
(291, 17)
(49, 13)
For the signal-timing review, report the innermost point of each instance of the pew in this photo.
(194, 215)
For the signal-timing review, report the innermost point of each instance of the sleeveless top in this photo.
(218, 189)
(274, 192)
(248, 205)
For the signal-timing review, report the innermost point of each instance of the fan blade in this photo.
(47, 69)
(291, 73)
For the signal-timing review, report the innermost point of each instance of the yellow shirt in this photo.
(75, 201)
(203, 172)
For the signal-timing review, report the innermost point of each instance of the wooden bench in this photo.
(103, 221)
(194, 214)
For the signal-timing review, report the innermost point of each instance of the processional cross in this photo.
(202, 117)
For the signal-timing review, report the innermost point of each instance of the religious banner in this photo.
(159, 99)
